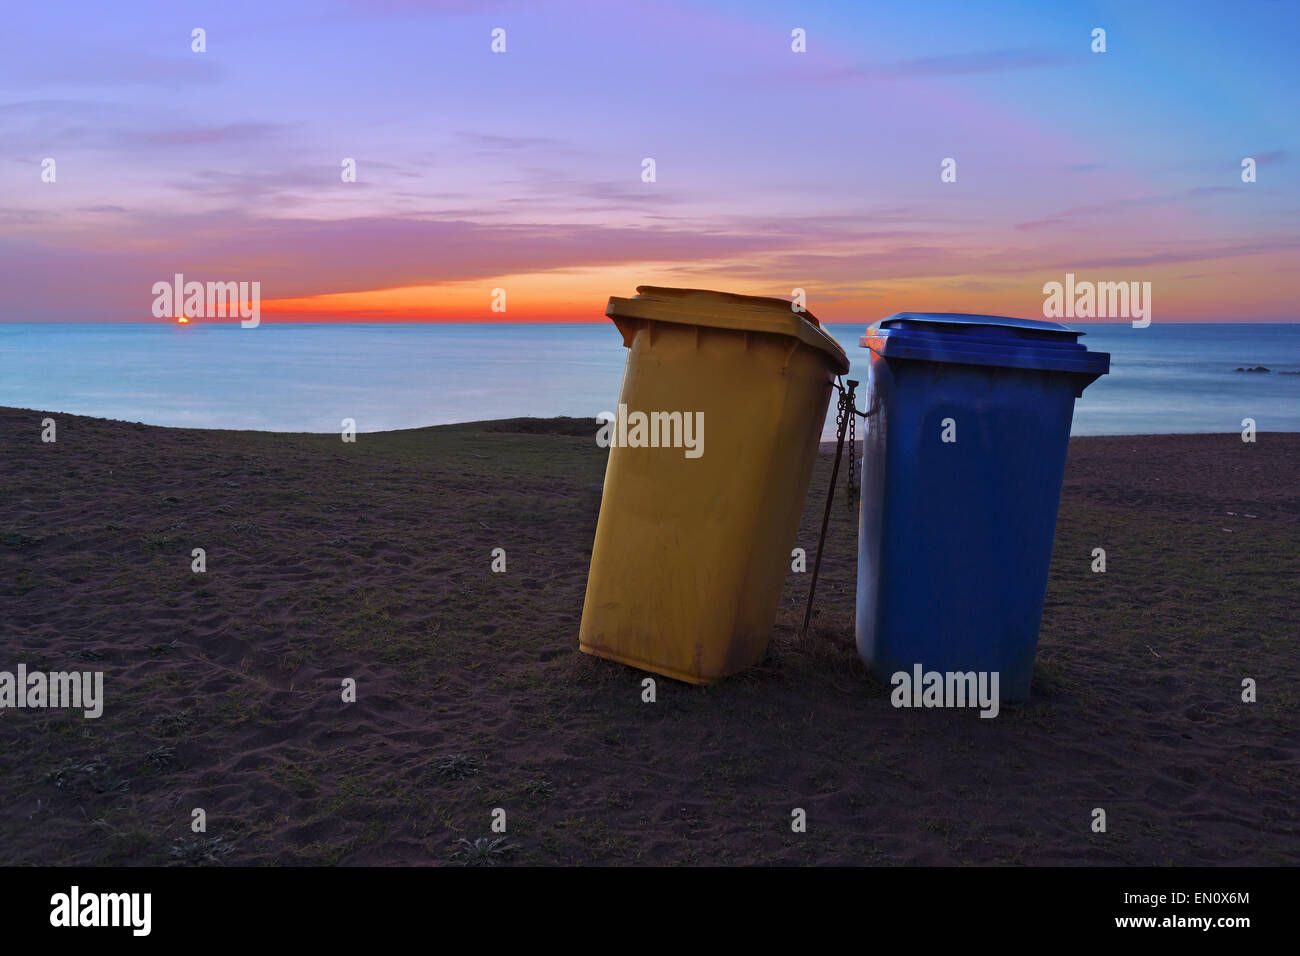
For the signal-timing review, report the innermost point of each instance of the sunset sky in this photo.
(523, 170)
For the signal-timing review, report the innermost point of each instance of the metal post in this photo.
(851, 409)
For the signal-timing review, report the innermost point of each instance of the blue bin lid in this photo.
(962, 339)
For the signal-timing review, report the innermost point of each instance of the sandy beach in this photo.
(372, 561)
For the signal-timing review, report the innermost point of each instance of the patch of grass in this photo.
(160, 758)
(353, 799)
(173, 725)
(198, 851)
(483, 851)
(77, 776)
(295, 777)
(321, 853)
(124, 843)
(539, 788)
(457, 766)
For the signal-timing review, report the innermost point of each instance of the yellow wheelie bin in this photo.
(710, 454)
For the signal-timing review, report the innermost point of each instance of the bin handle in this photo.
(875, 406)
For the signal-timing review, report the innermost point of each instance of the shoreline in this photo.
(486, 422)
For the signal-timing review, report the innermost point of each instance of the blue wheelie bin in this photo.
(962, 468)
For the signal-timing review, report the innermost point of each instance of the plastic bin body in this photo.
(690, 554)
(955, 537)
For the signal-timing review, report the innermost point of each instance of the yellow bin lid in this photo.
(727, 310)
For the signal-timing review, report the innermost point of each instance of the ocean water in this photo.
(308, 377)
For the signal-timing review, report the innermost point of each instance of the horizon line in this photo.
(196, 322)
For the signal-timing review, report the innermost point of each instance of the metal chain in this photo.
(839, 410)
(852, 496)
